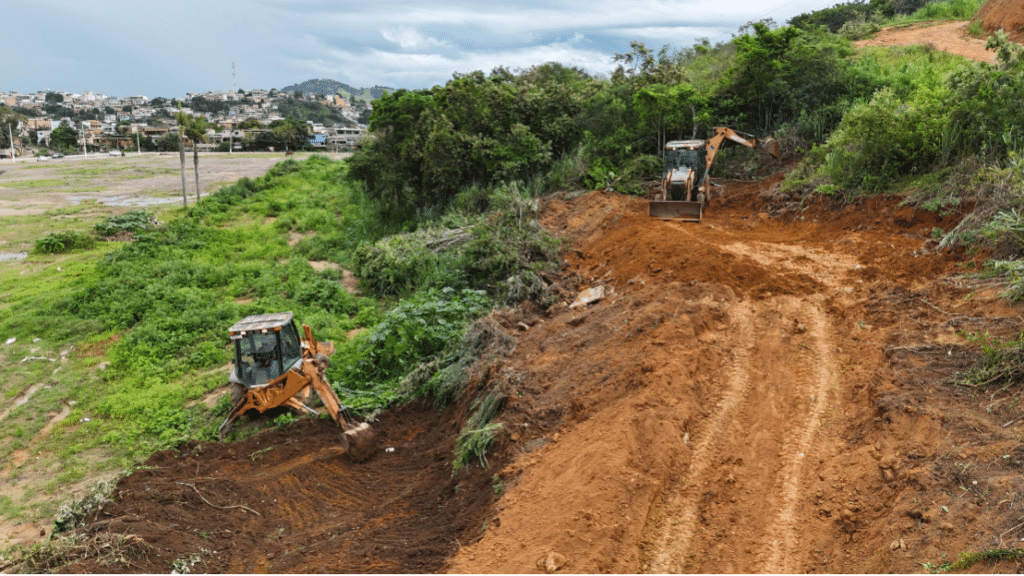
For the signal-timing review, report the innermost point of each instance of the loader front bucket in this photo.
(676, 210)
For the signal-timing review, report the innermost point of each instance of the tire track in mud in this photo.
(799, 450)
(681, 507)
(771, 412)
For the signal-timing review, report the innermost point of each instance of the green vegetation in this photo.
(148, 317)
(61, 242)
(967, 559)
(478, 433)
(134, 221)
(886, 13)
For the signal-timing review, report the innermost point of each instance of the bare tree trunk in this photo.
(181, 154)
(195, 166)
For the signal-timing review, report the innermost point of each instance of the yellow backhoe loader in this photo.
(683, 192)
(275, 367)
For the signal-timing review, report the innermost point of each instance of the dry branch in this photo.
(214, 505)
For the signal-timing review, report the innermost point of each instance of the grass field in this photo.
(50, 438)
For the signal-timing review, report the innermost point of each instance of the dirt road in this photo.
(946, 36)
(755, 395)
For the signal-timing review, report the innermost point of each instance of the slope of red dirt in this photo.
(946, 36)
(755, 395)
(752, 394)
(1005, 15)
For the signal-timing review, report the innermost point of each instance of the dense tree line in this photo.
(481, 128)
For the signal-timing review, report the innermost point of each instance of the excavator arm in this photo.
(714, 144)
(358, 439)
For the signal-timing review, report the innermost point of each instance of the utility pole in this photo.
(138, 143)
(11, 136)
(85, 143)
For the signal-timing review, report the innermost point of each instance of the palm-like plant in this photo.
(10, 119)
(195, 130)
(182, 119)
(292, 132)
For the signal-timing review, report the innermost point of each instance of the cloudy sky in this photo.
(168, 48)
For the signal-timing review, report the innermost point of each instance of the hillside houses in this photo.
(109, 121)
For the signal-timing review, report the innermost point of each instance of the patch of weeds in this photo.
(497, 485)
(284, 420)
(184, 565)
(413, 332)
(976, 30)
(445, 377)
(478, 433)
(1002, 362)
(134, 221)
(967, 559)
(61, 242)
(72, 514)
(113, 550)
(44, 183)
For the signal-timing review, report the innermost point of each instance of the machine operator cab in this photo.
(266, 346)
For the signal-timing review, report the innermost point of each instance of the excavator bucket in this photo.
(359, 441)
(676, 210)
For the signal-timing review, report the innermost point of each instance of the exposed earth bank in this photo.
(946, 36)
(754, 393)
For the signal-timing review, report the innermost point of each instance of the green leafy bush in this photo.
(861, 27)
(984, 102)
(884, 139)
(482, 255)
(61, 242)
(414, 331)
(134, 221)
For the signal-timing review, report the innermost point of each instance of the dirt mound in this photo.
(946, 36)
(1006, 15)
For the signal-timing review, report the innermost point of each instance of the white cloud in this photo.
(393, 42)
(411, 69)
(410, 38)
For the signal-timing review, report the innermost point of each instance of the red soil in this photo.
(1003, 15)
(755, 394)
(946, 36)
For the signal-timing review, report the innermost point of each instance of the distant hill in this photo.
(326, 86)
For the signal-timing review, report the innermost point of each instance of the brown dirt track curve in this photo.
(946, 36)
(757, 394)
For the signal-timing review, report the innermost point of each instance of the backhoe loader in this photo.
(275, 367)
(685, 185)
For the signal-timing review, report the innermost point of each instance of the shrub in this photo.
(61, 242)
(134, 221)
(861, 27)
(884, 139)
(478, 433)
(411, 333)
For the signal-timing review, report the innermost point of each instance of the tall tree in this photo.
(195, 130)
(292, 132)
(9, 123)
(182, 119)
